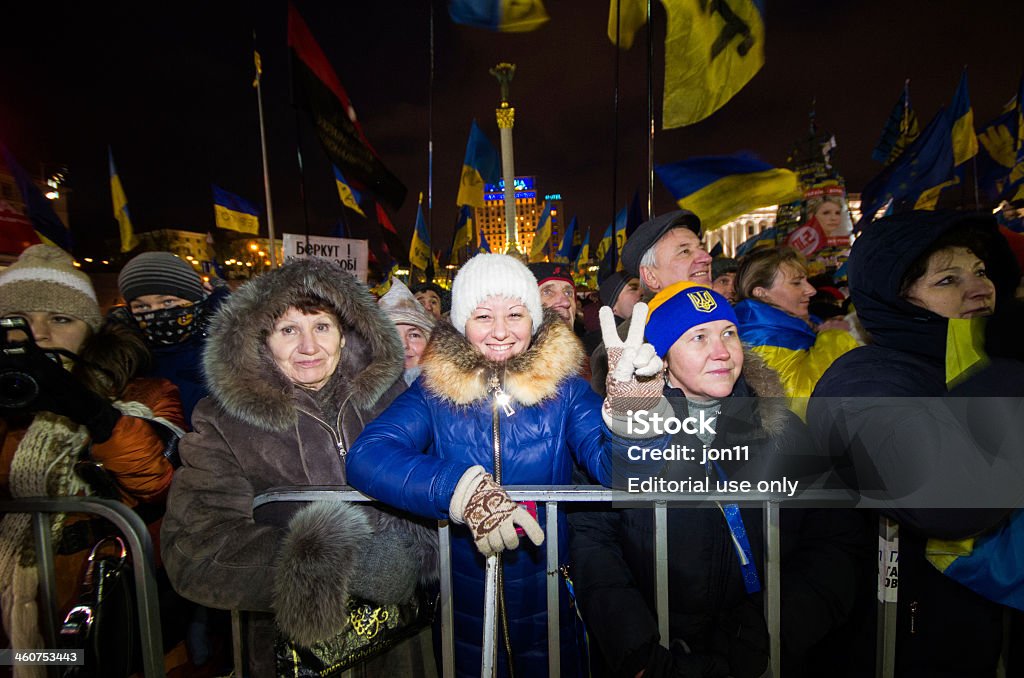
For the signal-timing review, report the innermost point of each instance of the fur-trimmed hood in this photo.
(763, 382)
(456, 372)
(241, 373)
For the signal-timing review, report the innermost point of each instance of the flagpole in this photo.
(263, 148)
(430, 137)
(650, 112)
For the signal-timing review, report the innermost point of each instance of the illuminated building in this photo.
(490, 219)
(746, 226)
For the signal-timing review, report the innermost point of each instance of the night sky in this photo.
(169, 88)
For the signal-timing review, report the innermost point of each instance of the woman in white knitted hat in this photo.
(89, 408)
(499, 402)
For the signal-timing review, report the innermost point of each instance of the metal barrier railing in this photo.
(140, 546)
(552, 496)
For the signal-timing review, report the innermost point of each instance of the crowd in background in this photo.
(188, 401)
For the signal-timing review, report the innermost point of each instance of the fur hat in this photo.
(160, 273)
(44, 278)
(487, 275)
(401, 306)
(678, 307)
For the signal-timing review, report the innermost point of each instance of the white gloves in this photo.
(489, 513)
(634, 369)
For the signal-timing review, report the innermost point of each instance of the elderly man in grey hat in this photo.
(661, 252)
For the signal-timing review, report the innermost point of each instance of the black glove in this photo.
(387, 570)
(60, 393)
(677, 662)
(743, 638)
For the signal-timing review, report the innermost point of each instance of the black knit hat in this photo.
(159, 273)
(722, 265)
(544, 271)
(612, 287)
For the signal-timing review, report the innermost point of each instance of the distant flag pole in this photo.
(263, 148)
(124, 221)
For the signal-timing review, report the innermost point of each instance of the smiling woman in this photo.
(306, 344)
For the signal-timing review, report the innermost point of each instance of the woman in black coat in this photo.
(715, 619)
(935, 292)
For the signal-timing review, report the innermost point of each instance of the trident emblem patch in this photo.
(703, 301)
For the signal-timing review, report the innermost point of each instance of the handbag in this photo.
(371, 631)
(103, 620)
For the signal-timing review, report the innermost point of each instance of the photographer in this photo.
(88, 422)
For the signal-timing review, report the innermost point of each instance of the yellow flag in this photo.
(124, 221)
(631, 15)
(711, 51)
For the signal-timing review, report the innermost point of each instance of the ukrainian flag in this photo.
(480, 166)
(124, 220)
(485, 247)
(463, 237)
(47, 225)
(712, 49)
(625, 18)
(507, 16)
(542, 236)
(235, 213)
(901, 129)
(763, 240)
(349, 196)
(584, 254)
(605, 244)
(566, 249)
(930, 164)
(719, 188)
(419, 248)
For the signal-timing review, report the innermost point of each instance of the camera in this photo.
(18, 387)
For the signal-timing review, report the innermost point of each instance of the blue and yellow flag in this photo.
(763, 240)
(350, 197)
(997, 154)
(1013, 188)
(930, 164)
(566, 250)
(485, 247)
(542, 236)
(719, 188)
(480, 166)
(462, 239)
(584, 254)
(235, 213)
(507, 16)
(38, 208)
(419, 248)
(608, 260)
(124, 220)
(712, 49)
(901, 129)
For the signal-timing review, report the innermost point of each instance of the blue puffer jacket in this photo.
(413, 455)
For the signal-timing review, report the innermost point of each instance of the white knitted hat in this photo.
(401, 306)
(45, 279)
(487, 275)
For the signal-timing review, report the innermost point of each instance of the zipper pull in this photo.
(341, 449)
(504, 400)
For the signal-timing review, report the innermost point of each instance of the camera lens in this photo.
(17, 389)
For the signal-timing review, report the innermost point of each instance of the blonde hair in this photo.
(759, 268)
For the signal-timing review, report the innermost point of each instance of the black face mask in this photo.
(170, 326)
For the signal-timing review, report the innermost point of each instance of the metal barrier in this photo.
(140, 545)
(552, 496)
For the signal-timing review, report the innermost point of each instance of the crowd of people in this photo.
(189, 401)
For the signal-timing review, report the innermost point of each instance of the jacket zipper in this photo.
(335, 435)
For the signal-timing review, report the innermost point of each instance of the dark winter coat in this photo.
(915, 454)
(258, 431)
(442, 426)
(613, 552)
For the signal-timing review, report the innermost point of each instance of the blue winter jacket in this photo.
(413, 455)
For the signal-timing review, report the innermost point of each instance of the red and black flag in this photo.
(318, 91)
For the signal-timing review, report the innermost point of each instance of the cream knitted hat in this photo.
(44, 279)
(402, 308)
(487, 275)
